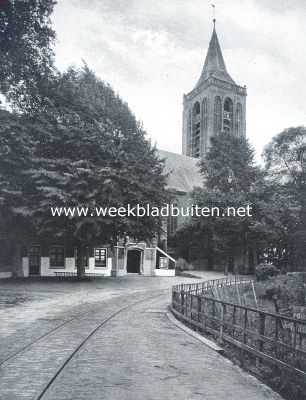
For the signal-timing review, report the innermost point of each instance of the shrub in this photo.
(301, 276)
(285, 294)
(265, 271)
(183, 265)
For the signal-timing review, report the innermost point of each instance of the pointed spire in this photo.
(214, 14)
(214, 63)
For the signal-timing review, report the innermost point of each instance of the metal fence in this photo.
(274, 338)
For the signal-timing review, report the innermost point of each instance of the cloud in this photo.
(152, 51)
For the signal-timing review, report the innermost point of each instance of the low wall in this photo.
(164, 272)
(70, 267)
(5, 274)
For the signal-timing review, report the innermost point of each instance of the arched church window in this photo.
(205, 113)
(189, 131)
(239, 119)
(228, 115)
(204, 121)
(217, 115)
(196, 130)
(196, 108)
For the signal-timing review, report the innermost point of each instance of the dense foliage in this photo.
(91, 151)
(265, 271)
(26, 39)
(285, 159)
(16, 149)
(230, 179)
(86, 149)
(276, 231)
(74, 142)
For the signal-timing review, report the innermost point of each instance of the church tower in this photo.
(216, 104)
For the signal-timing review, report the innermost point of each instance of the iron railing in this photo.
(274, 338)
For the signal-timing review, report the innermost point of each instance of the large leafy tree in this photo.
(230, 179)
(90, 151)
(276, 232)
(86, 146)
(16, 150)
(285, 159)
(26, 39)
(285, 162)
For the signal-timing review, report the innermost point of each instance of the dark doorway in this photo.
(34, 260)
(133, 261)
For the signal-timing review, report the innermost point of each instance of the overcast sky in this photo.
(152, 51)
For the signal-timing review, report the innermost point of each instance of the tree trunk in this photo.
(239, 261)
(80, 262)
(246, 258)
(254, 259)
(210, 252)
(16, 261)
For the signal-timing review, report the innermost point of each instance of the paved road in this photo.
(138, 354)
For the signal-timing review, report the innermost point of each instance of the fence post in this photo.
(294, 334)
(244, 335)
(182, 301)
(222, 323)
(213, 310)
(260, 332)
(199, 308)
(276, 336)
(234, 320)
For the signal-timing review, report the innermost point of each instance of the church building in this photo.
(215, 104)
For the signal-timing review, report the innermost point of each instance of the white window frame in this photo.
(99, 249)
(64, 257)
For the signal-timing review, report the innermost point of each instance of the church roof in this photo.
(214, 63)
(183, 171)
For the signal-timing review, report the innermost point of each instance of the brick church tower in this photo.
(216, 104)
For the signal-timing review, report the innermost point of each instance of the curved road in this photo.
(137, 354)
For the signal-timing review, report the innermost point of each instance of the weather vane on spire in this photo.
(214, 13)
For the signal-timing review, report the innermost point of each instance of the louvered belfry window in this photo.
(239, 120)
(196, 130)
(228, 115)
(217, 115)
